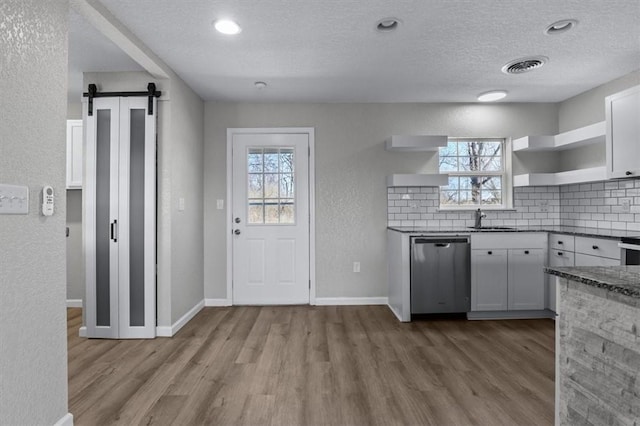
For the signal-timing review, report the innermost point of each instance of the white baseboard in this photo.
(498, 315)
(66, 420)
(331, 301)
(82, 332)
(217, 302)
(170, 331)
(74, 303)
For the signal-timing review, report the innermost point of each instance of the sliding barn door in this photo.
(119, 218)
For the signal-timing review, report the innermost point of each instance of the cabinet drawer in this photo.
(598, 247)
(588, 260)
(508, 240)
(561, 258)
(562, 242)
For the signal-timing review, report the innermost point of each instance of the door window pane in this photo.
(271, 185)
(103, 220)
(136, 218)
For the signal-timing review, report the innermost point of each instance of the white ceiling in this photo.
(90, 51)
(329, 51)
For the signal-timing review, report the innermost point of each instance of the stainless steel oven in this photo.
(630, 251)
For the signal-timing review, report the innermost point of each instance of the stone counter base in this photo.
(599, 359)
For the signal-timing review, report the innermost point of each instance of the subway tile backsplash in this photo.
(606, 205)
(611, 204)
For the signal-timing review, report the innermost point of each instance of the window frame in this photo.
(505, 175)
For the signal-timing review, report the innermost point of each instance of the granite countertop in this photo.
(570, 230)
(613, 280)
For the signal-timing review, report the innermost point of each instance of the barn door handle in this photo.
(114, 231)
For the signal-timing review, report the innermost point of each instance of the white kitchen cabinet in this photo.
(507, 271)
(526, 279)
(74, 154)
(623, 133)
(600, 247)
(562, 242)
(588, 260)
(489, 280)
(561, 253)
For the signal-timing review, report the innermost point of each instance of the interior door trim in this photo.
(310, 131)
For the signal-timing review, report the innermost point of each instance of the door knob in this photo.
(237, 220)
(237, 232)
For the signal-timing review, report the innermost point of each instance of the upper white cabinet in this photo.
(414, 143)
(74, 154)
(623, 133)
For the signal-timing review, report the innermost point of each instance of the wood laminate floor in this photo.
(307, 365)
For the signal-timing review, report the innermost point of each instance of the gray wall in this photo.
(74, 110)
(582, 110)
(180, 174)
(33, 104)
(75, 263)
(187, 181)
(351, 165)
(588, 107)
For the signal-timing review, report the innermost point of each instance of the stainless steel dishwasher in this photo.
(440, 275)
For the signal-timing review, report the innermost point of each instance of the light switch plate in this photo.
(14, 199)
(181, 204)
(220, 204)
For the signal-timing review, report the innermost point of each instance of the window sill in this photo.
(461, 209)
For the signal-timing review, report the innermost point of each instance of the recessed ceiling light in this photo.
(260, 85)
(386, 25)
(491, 96)
(523, 65)
(561, 26)
(226, 26)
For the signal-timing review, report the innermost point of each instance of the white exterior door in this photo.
(270, 215)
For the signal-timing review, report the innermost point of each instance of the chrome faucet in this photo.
(479, 216)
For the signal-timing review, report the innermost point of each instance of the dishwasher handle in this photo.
(441, 242)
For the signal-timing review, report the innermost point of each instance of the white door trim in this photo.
(312, 202)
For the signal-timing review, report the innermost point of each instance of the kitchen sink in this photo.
(493, 228)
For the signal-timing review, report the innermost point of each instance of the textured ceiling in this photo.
(90, 51)
(329, 51)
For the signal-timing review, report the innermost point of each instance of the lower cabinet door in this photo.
(526, 279)
(489, 280)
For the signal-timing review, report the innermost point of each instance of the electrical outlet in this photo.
(626, 205)
(356, 266)
(544, 205)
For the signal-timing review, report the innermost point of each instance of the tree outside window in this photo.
(476, 173)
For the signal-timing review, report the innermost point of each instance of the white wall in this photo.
(351, 165)
(33, 105)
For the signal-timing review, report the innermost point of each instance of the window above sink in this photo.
(477, 172)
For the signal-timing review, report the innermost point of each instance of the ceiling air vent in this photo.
(523, 65)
